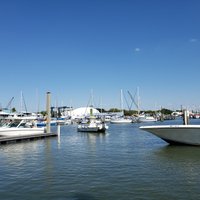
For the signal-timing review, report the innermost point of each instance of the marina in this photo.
(123, 163)
(25, 128)
(123, 122)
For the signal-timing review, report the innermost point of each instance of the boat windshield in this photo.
(13, 124)
(4, 124)
(16, 124)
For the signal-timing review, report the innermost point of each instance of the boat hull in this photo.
(147, 119)
(92, 130)
(12, 132)
(88, 128)
(176, 134)
(121, 121)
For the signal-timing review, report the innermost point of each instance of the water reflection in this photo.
(83, 196)
(16, 153)
(93, 139)
(173, 152)
(184, 160)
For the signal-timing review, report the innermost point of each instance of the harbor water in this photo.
(124, 163)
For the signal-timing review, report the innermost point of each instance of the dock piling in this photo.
(185, 117)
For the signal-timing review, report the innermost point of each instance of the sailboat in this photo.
(92, 124)
(121, 119)
(141, 117)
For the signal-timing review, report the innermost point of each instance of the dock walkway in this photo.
(11, 139)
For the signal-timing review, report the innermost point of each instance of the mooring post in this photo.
(185, 117)
(48, 109)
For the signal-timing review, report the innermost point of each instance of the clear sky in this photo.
(70, 47)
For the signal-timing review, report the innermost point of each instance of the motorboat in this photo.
(43, 123)
(121, 120)
(176, 134)
(20, 128)
(92, 125)
(146, 118)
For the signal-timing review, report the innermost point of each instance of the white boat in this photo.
(92, 125)
(146, 118)
(19, 128)
(121, 120)
(43, 123)
(176, 134)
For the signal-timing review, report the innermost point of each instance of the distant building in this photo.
(83, 112)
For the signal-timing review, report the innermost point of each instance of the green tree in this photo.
(13, 110)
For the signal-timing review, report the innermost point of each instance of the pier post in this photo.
(185, 117)
(48, 109)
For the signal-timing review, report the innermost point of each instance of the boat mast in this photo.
(21, 103)
(138, 101)
(122, 104)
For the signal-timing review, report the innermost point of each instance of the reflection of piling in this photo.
(58, 129)
(48, 112)
(185, 117)
(58, 134)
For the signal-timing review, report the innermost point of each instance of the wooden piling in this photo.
(185, 117)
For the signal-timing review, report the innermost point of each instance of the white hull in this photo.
(121, 121)
(12, 132)
(147, 119)
(92, 128)
(87, 129)
(181, 134)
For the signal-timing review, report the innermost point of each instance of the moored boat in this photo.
(92, 125)
(121, 120)
(20, 128)
(176, 134)
(146, 118)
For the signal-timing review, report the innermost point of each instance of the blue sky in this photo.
(70, 47)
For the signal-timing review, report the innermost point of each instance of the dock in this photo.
(5, 139)
(11, 139)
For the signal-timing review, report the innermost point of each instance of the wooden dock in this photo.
(11, 139)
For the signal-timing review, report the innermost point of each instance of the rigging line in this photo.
(129, 107)
(88, 104)
(133, 100)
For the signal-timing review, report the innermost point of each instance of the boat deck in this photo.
(12, 139)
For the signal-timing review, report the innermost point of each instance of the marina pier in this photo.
(22, 129)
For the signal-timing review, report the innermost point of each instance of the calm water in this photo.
(125, 163)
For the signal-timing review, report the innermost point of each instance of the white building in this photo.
(82, 112)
